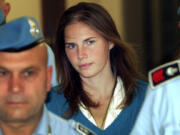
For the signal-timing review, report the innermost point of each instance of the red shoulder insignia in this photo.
(164, 73)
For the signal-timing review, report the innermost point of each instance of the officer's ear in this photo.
(7, 8)
(49, 77)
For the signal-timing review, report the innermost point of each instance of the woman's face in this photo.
(87, 50)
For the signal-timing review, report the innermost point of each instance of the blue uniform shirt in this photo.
(55, 125)
(160, 114)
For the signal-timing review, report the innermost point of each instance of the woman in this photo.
(98, 72)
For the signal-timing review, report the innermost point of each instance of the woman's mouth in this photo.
(85, 66)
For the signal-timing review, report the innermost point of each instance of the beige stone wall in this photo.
(114, 7)
(33, 8)
(25, 8)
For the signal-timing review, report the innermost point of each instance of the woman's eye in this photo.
(70, 45)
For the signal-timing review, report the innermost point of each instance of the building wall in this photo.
(114, 7)
(25, 8)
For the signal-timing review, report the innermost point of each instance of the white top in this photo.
(113, 110)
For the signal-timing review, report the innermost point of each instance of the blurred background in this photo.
(151, 26)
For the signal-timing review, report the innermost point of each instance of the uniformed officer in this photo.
(4, 10)
(160, 114)
(25, 80)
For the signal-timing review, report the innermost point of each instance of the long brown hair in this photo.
(122, 56)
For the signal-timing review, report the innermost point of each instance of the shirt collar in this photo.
(118, 94)
(42, 128)
(113, 110)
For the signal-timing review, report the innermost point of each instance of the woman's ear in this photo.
(111, 45)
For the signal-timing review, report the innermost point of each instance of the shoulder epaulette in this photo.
(164, 73)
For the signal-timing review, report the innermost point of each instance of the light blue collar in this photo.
(43, 126)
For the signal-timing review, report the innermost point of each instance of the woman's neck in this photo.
(99, 87)
(100, 92)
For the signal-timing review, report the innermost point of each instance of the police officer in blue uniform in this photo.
(4, 10)
(25, 80)
(160, 114)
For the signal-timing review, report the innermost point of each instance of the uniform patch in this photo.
(83, 130)
(34, 30)
(164, 73)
